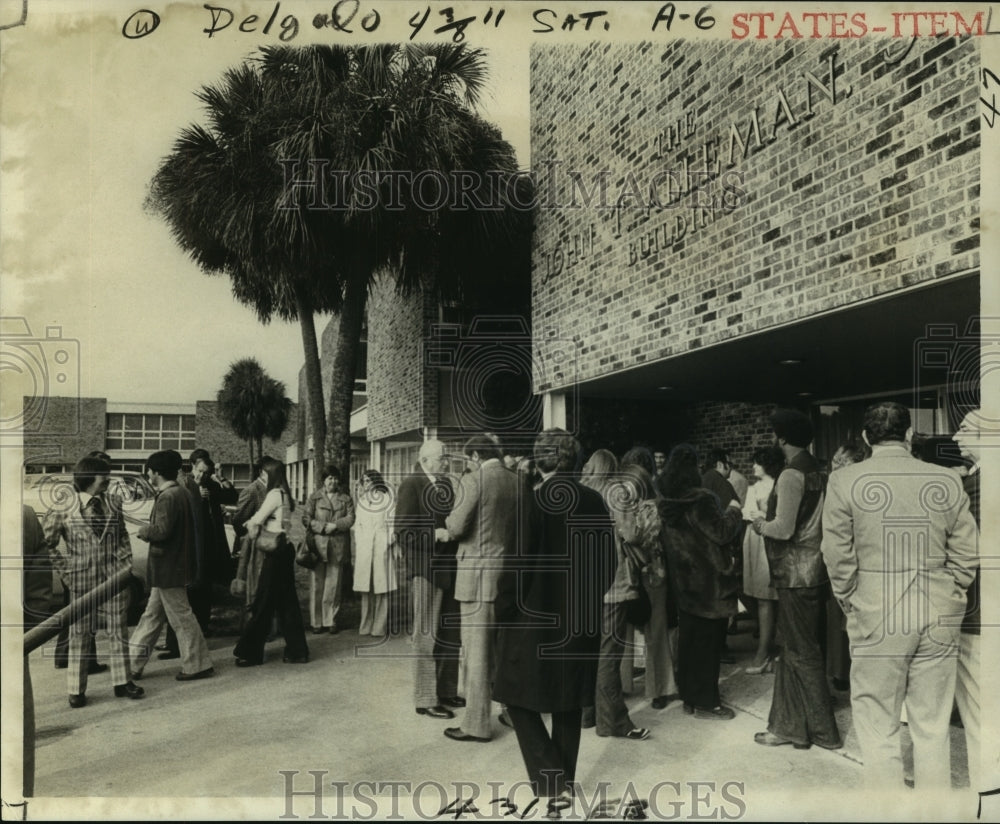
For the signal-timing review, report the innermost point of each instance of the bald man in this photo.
(424, 500)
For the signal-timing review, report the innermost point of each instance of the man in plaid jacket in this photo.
(88, 544)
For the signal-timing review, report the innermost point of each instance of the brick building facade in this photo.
(63, 429)
(66, 429)
(299, 457)
(730, 223)
(433, 370)
(722, 228)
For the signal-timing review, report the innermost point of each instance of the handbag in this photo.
(654, 574)
(638, 610)
(270, 542)
(306, 554)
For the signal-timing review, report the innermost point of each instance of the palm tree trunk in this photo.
(250, 444)
(345, 363)
(314, 380)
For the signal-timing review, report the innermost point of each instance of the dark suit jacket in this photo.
(714, 482)
(549, 600)
(422, 507)
(171, 536)
(37, 582)
(215, 562)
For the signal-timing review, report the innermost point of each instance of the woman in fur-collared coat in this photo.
(698, 534)
(328, 518)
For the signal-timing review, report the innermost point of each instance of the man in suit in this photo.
(490, 505)
(212, 491)
(62, 642)
(213, 562)
(899, 541)
(424, 500)
(88, 544)
(969, 439)
(170, 534)
(549, 603)
(715, 478)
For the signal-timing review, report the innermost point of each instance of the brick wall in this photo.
(402, 391)
(739, 428)
(213, 434)
(327, 344)
(619, 425)
(327, 341)
(75, 426)
(865, 180)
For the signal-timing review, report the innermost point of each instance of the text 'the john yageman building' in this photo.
(725, 226)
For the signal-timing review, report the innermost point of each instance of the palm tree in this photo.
(221, 190)
(253, 404)
(315, 117)
(403, 110)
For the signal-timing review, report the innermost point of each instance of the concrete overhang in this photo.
(872, 347)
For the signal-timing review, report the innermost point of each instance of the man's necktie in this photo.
(443, 495)
(97, 516)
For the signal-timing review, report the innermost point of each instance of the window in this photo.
(400, 461)
(237, 473)
(150, 432)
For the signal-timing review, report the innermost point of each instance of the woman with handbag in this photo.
(266, 532)
(624, 603)
(328, 519)
(640, 529)
(698, 535)
(375, 563)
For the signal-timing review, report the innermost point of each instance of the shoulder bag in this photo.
(270, 542)
(306, 554)
(638, 609)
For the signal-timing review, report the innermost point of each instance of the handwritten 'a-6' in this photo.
(222, 18)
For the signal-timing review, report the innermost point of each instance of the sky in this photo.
(87, 116)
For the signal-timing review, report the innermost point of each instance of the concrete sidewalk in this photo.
(236, 744)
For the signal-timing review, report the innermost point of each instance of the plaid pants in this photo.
(113, 615)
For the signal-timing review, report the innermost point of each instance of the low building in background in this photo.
(69, 428)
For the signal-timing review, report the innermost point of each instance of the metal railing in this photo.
(75, 610)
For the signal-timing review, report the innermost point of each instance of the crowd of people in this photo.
(536, 572)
